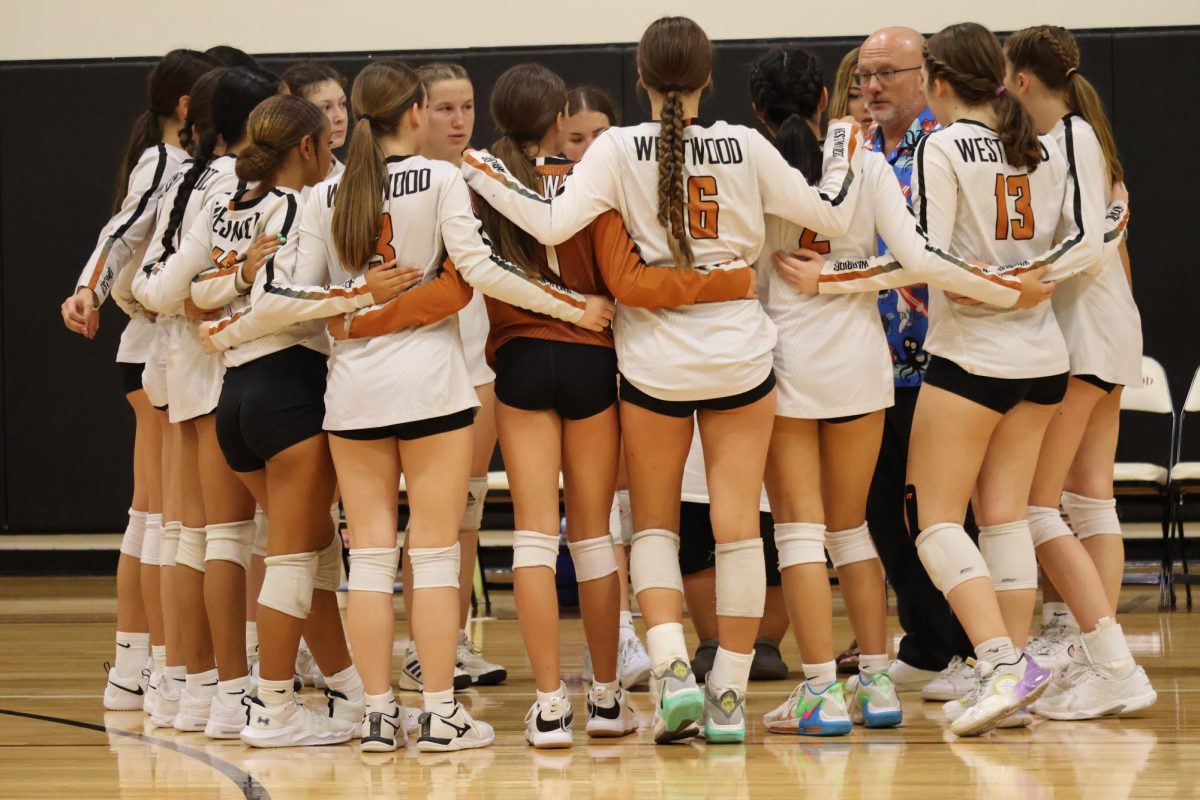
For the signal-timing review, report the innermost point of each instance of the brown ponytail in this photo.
(674, 57)
(968, 57)
(277, 125)
(381, 95)
(1050, 53)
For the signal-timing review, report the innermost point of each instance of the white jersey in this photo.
(1096, 311)
(970, 201)
(474, 325)
(122, 243)
(193, 377)
(695, 480)
(409, 374)
(733, 176)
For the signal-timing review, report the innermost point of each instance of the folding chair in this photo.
(1185, 480)
(1146, 480)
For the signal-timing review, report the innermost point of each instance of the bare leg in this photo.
(484, 431)
(131, 612)
(774, 622)
(172, 512)
(700, 592)
(621, 550)
(1091, 476)
(189, 584)
(154, 473)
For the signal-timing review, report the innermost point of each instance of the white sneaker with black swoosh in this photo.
(125, 692)
(609, 714)
(548, 724)
(456, 731)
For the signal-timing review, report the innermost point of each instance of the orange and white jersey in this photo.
(410, 374)
(971, 202)
(732, 177)
(1096, 310)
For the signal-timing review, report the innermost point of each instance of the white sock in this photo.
(820, 676)
(1107, 648)
(159, 654)
(665, 643)
(275, 693)
(381, 703)
(612, 687)
(546, 697)
(251, 640)
(201, 684)
(1059, 613)
(441, 703)
(869, 665)
(237, 686)
(347, 683)
(304, 646)
(132, 650)
(176, 673)
(731, 670)
(627, 624)
(997, 651)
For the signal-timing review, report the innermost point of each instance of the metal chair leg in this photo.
(1166, 587)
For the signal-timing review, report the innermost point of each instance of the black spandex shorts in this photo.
(418, 429)
(999, 394)
(131, 376)
(844, 420)
(698, 546)
(270, 404)
(686, 408)
(575, 380)
(1102, 385)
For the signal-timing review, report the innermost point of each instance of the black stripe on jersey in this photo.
(288, 219)
(1077, 200)
(923, 222)
(144, 201)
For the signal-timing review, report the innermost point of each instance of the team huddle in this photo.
(675, 328)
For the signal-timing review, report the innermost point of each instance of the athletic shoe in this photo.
(847, 660)
(293, 725)
(609, 714)
(1003, 690)
(307, 669)
(227, 715)
(678, 702)
(873, 702)
(151, 689)
(193, 711)
(706, 654)
(811, 713)
(457, 731)
(955, 709)
(339, 707)
(125, 692)
(724, 715)
(1096, 691)
(768, 662)
(907, 678)
(471, 661)
(952, 683)
(548, 725)
(382, 732)
(633, 662)
(1052, 644)
(410, 673)
(166, 704)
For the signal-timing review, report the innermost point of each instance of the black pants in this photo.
(932, 635)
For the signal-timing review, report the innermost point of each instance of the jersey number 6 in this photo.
(702, 211)
(383, 243)
(1016, 187)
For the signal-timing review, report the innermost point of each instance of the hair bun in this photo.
(256, 163)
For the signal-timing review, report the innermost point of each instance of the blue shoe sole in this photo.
(882, 719)
(827, 729)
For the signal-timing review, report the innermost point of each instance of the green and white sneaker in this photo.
(873, 702)
(724, 714)
(678, 702)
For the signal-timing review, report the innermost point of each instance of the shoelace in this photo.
(794, 698)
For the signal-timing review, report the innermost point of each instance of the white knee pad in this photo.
(373, 569)
(288, 583)
(851, 546)
(622, 531)
(435, 567)
(262, 530)
(1091, 516)
(472, 518)
(329, 565)
(949, 556)
(191, 548)
(654, 560)
(231, 541)
(152, 543)
(169, 552)
(533, 549)
(1046, 525)
(741, 578)
(1008, 552)
(799, 543)
(135, 533)
(593, 558)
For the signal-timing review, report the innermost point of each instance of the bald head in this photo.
(894, 102)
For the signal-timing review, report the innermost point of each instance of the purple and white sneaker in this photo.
(1004, 690)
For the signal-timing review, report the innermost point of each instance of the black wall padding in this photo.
(65, 454)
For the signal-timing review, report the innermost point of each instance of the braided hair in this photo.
(786, 88)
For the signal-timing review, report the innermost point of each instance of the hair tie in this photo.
(1072, 71)
(1001, 89)
(672, 87)
(366, 118)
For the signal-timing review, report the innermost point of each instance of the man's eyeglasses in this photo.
(884, 76)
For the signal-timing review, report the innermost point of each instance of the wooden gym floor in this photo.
(57, 741)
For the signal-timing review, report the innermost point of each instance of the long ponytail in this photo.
(786, 88)
(1051, 53)
(381, 95)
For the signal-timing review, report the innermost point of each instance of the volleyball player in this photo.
(847, 98)
(152, 156)
(719, 353)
